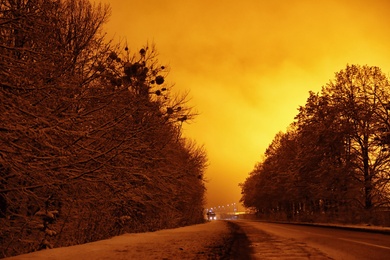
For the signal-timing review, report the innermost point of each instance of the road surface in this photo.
(286, 241)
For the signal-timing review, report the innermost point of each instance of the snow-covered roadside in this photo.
(203, 241)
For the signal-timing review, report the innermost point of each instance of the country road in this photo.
(230, 240)
(286, 241)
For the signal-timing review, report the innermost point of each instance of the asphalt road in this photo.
(286, 241)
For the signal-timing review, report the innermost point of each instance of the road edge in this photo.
(371, 229)
(239, 244)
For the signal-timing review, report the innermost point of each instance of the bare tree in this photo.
(361, 93)
(338, 165)
(90, 137)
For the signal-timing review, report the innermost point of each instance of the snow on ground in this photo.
(202, 241)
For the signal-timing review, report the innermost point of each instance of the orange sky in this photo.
(249, 64)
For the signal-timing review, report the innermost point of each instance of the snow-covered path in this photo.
(211, 240)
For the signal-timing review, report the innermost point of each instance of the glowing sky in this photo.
(250, 64)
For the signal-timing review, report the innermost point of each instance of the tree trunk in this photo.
(367, 176)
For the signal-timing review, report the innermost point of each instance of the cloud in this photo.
(250, 64)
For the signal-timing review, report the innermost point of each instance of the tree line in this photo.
(333, 162)
(90, 132)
